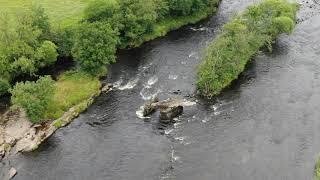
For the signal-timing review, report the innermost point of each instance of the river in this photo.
(265, 126)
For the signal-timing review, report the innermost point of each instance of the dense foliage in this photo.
(34, 97)
(241, 39)
(109, 24)
(136, 18)
(26, 44)
(24, 47)
(95, 46)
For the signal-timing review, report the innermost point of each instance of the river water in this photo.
(265, 126)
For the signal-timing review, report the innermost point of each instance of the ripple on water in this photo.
(173, 76)
(152, 80)
(148, 94)
(130, 85)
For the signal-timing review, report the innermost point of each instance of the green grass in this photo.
(72, 88)
(61, 12)
(317, 170)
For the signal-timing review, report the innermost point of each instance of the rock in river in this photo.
(12, 173)
(167, 114)
(150, 107)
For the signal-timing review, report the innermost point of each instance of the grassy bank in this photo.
(317, 170)
(227, 55)
(71, 89)
(163, 27)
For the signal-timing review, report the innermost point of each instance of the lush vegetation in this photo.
(24, 45)
(46, 99)
(317, 170)
(34, 97)
(227, 56)
(109, 24)
(71, 88)
(95, 47)
(29, 41)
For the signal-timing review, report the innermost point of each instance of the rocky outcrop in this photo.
(18, 134)
(169, 108)
(37, 134)
(167, 114)
(14, 125)
(107, 88)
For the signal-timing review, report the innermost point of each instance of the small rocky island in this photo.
(169, 108)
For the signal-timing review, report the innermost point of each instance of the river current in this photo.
(266, 126)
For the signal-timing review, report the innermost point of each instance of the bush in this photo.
(241, 39)
(4, 86)
(138, 18)
(102, 10)
(63, 38)
(95, 46)
(34, 97)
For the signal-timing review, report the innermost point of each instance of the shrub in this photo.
(102, 10)
(95, 46)
(63, 38)
(241, 39)
(138, 18)
(4, 86)
(34, 97)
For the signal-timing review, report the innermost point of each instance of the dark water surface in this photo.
(266, 126)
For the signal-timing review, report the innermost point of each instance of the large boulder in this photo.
(169, 108)
(167, 114)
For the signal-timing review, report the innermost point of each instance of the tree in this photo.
(24, 47)
(107, 11)
(139, 17)
(95, 46)
(34, 97)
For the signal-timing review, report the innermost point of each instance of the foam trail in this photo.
(152, 80)
(147, 96)
(199, 29)
(131, 84)
(192, 54)
(173, 77)
(118, 83)
(188, 103)
(139, 113)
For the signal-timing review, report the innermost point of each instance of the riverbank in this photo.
(18, 134)
(265, 125)
(74, 93)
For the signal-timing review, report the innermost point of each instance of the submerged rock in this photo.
(107, 88)
(12, 173)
